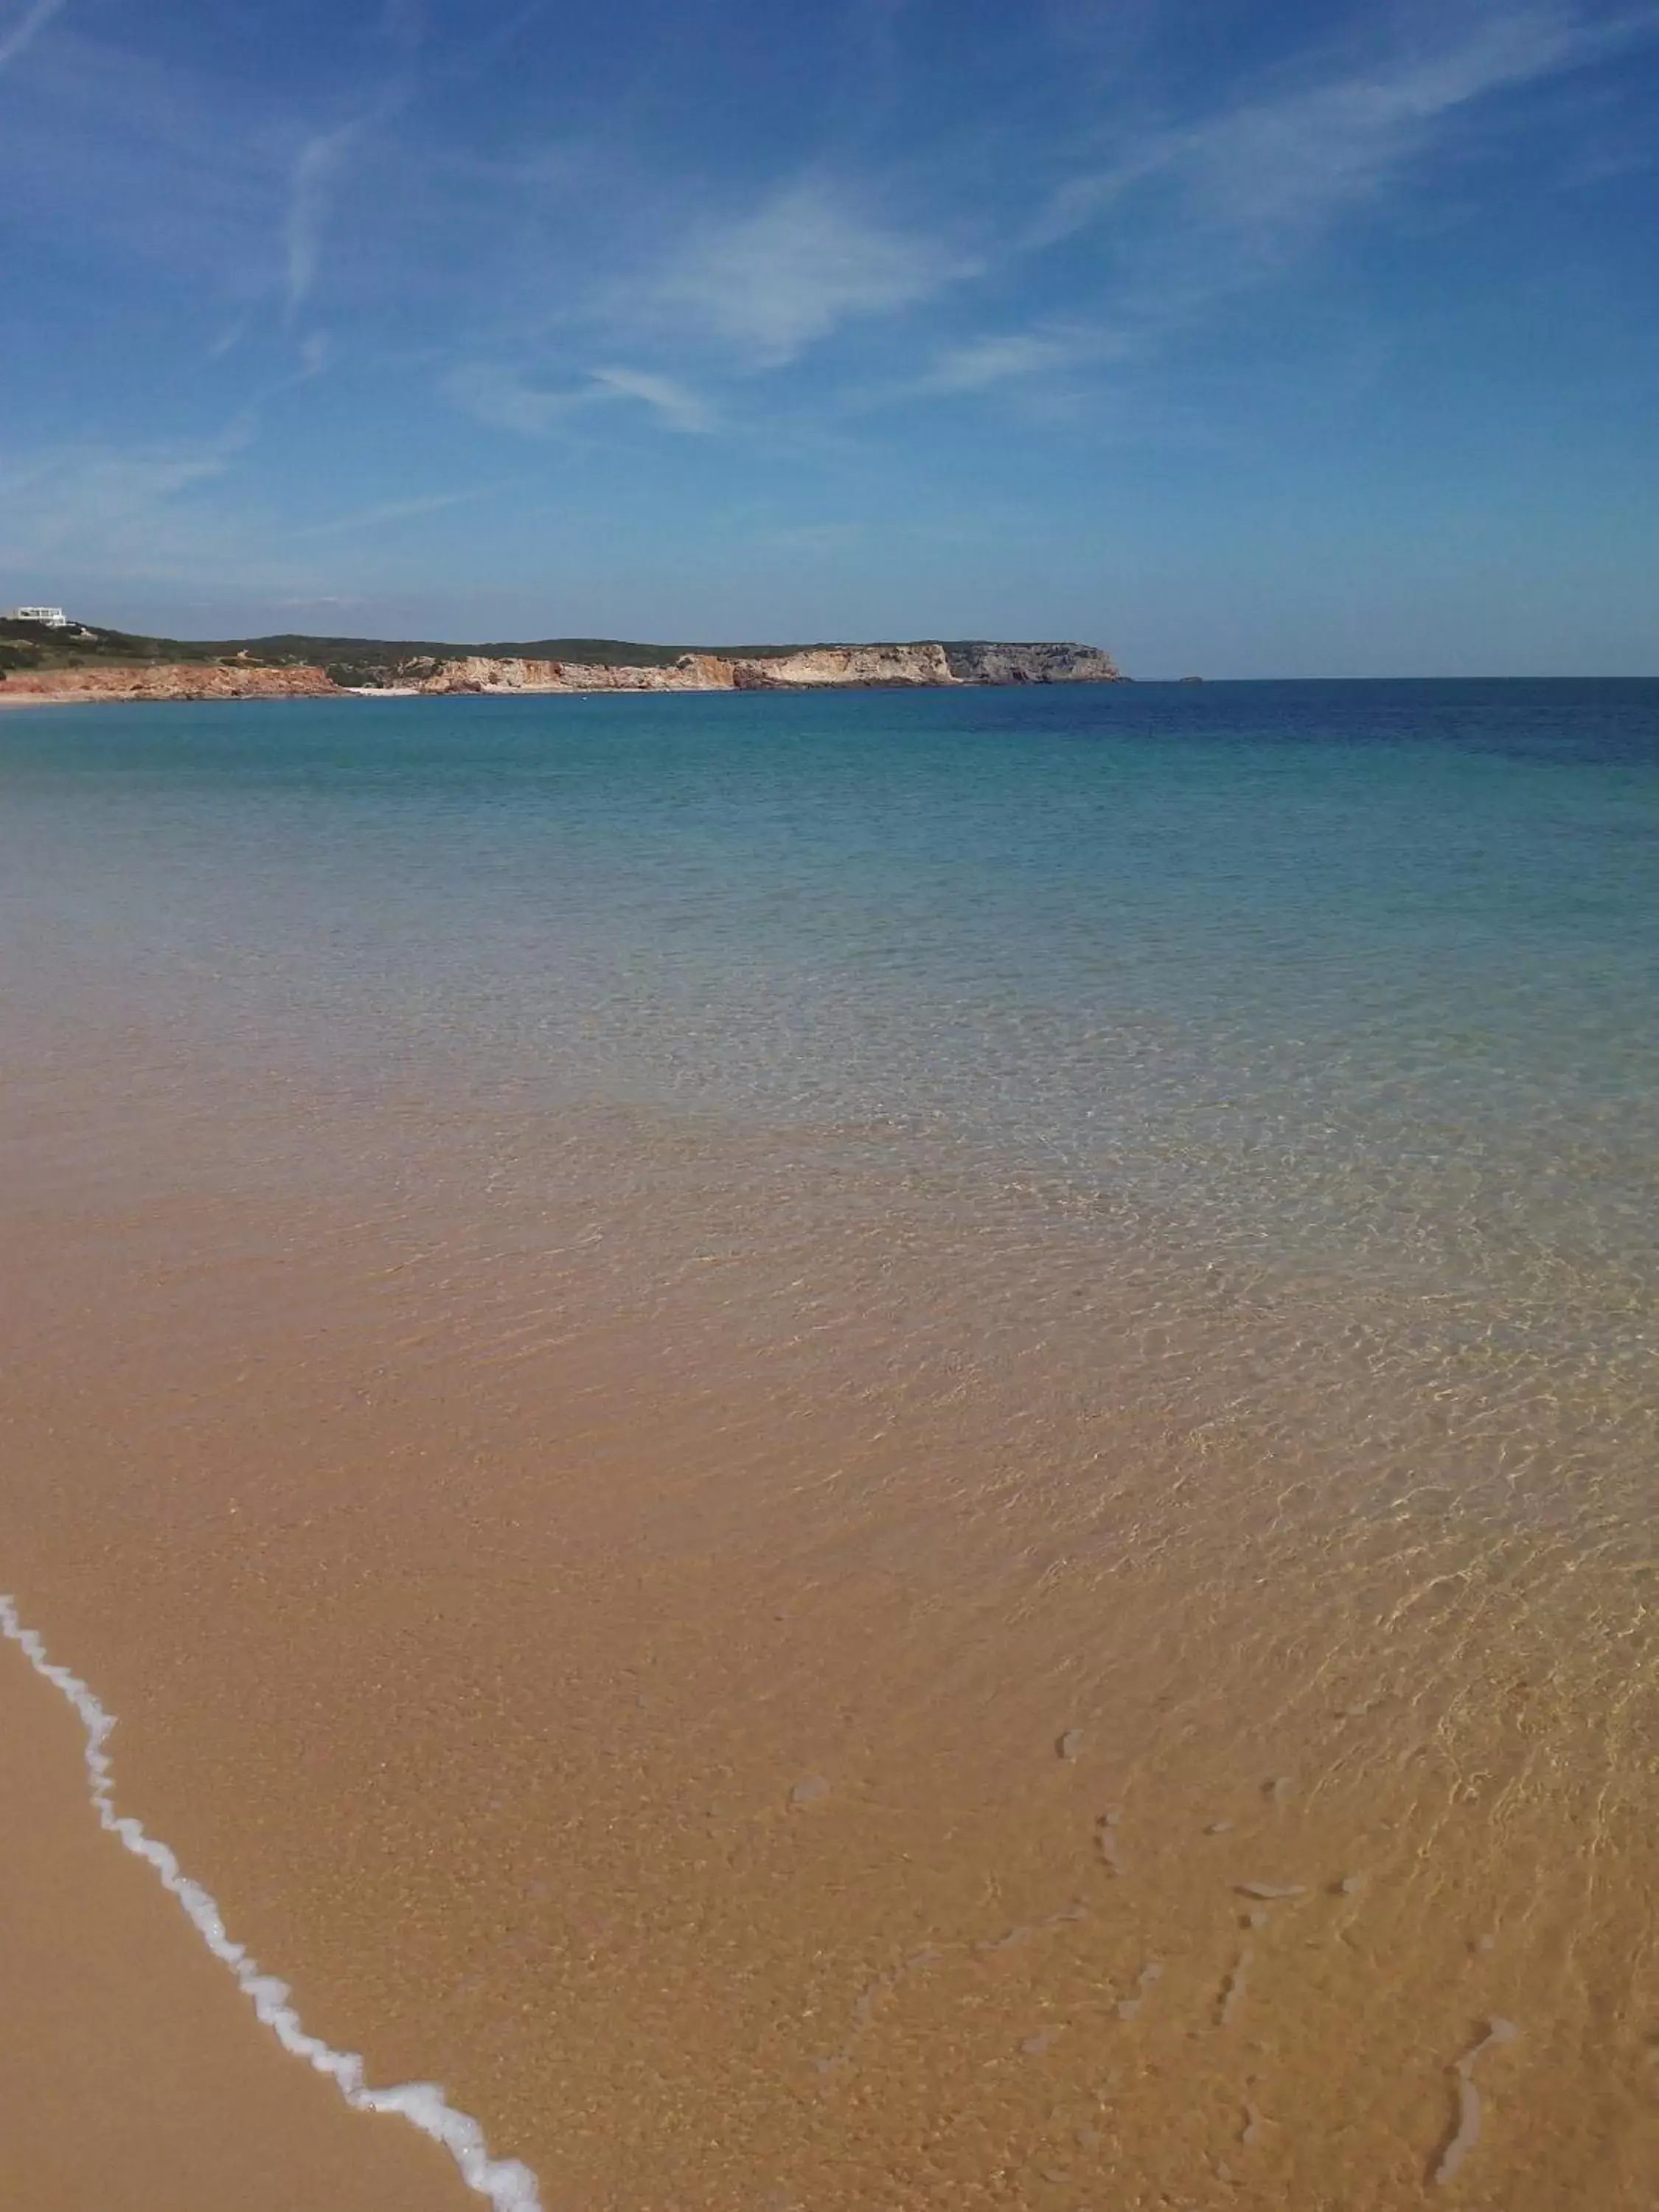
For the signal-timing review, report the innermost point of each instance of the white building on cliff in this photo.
(49, 617)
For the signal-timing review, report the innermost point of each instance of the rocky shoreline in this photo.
(162, 679)
(816, 667)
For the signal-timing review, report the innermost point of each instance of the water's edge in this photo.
(508, 2184)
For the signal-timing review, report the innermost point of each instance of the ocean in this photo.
(882, 1448)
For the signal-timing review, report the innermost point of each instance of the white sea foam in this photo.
(506, 2181)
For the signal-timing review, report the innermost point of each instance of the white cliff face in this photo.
(692, 672)
(814, 666)
(845, 663)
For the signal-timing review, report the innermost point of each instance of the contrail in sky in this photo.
(13, 42)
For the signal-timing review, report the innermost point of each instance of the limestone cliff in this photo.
(843, 664)
(692, 672)
(812, 666)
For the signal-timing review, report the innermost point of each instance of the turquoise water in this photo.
(1340, 998)
(1369, 970)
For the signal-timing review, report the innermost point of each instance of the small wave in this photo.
(508, 2183)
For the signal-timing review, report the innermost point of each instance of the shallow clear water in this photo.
(1358, 967)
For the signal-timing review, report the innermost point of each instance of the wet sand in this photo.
(777, 1692)
(133, 2075)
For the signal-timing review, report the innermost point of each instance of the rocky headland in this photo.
(272, 668)
(811, 667)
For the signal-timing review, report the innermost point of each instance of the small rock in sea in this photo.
(1070, 1744)
(809, 1791)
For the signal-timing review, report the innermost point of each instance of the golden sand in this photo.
(773, 1708)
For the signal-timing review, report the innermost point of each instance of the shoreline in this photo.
(136, 2074)
(817, 668)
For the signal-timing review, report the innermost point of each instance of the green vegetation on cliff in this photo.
(358, 661)
(373, 663)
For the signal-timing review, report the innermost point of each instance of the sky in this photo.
(1244, 337)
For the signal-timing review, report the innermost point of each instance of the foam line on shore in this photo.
(508, 2184)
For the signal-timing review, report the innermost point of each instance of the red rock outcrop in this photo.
(167, 679)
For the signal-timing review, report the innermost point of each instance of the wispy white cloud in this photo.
(317, 170)
(503, 399)
(323, 158)
(1006, 357)
(1272, 173)
(28, 29)
(164, 172)
(774, 281)
(676, 405)
(94, 505)
(396, 510)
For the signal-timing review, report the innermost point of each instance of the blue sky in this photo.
(1241, 337)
